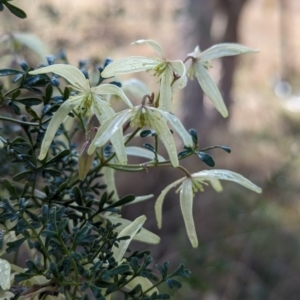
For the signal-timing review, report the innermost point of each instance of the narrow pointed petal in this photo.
(131, 230)
(156, 46)
(216, 184)
(136, 88)
(163, 131)
(177, 125)
(178, 67)
(5, 270)
(160, 200)
(226, 175)
(108, 128)
(109, 180)
(186, 204)
(165, 99)
(54, 124)
(143, 235)
(210, 89)
(70, 73)
(226, 49)
(144, 282)
(129, 65)
(117, 141)
(111, 89)
(142, 152)
(140, 199)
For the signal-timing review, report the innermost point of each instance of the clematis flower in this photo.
(189, 186)
(88, 100)
(171, 73)
(197, 64)
(145, 116)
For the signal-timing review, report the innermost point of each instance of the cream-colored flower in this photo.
(145, 116)
(189, 186)
(170, 72)
(88, 100)
(197, 64)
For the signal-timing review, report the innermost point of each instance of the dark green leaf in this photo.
(226, 148)
(122, 201)
(145, 133)
(149, 147)
(31, 112)
(59, 156)
(6, 72)
(15, 245)
(11, 188)
(206, 158)
(21, 175)
(15, 10)
(184, 153)
(173, 283)
(52, 172)
(194, 134)
(116, 271)
(30, 101)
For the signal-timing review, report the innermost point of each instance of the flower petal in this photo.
(5, 270)
(216, 184)
(163, 131)
(144, 282)
(210, 89)
(70, 73)
(143, 235)
(177, 125)
(109, 128)
(109, 180)
(226, 49)
(129, 65)
(135, 88)
(186, 204)
(165, 99)
(161, 198)
(117, 141)
(111, 89)
(55, 122)
(131, 230)
(142, 152)
(156, 46)
(226, 175)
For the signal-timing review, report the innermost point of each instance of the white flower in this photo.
(198, 62)
(88, 100)
(190, 185)
(145, 116)
(170, 72)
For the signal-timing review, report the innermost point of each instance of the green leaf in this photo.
(7, 72)
(193, 133)
(52, 172)
(122, 201)
(31, 112)
(15, 10)
(30, 101)
(206, 158)
(59, 156)
(21, 175)
(145, 133)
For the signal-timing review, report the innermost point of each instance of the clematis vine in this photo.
(197, 63)
(87, 101)
(142, 116)
(171, 73)
(189, 186)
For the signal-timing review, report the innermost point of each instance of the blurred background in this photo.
(249, 245)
